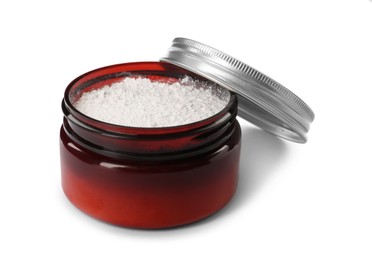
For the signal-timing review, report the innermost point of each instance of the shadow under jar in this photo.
(147, 177)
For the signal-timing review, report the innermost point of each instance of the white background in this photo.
(294, 201)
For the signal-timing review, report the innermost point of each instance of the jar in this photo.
(147, 177)
(170, 176)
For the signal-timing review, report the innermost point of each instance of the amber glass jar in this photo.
(147, 177)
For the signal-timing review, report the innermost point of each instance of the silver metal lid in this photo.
(262, 101)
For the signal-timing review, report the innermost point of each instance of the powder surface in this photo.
(141, 102)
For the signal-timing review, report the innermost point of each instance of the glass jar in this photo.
(147, 177)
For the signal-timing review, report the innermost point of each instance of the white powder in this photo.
(140, 102)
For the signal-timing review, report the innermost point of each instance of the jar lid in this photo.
(262, 101)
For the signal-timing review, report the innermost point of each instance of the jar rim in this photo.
(69, 108)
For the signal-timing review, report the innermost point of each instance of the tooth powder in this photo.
(141, 102)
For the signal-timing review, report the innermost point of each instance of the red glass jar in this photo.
(147, 177)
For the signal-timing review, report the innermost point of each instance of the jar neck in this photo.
(167, 143)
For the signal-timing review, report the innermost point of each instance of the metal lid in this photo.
(262, 101)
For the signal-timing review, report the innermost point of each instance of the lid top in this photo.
(262, 101)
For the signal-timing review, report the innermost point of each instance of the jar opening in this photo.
(155, 71)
